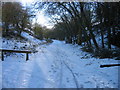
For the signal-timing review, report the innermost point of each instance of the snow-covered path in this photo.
(58, 65)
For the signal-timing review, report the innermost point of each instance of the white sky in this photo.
(41, 18)
(26, 1)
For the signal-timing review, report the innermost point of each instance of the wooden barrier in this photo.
(109, 65)
(15, 51)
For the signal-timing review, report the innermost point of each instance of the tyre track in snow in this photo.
(57, 63)
(61, 69)
(67, 62)
(64, 56)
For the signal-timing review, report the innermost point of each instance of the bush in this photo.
(107, 53)
(87, 49)
(103, 53)
(49, 40)
(116, 53)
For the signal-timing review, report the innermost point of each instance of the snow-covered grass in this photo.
(17, 44)
(31, 38)
(56, 65)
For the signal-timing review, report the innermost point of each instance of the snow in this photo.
(30, 38)
(56, 65)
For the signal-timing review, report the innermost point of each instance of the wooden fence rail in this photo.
(109, 65)
(15, 51)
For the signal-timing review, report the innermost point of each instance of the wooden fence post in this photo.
(2, 56)
(27, 57)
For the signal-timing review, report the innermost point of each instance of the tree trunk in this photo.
(88, 24)
(79, 41)
(101, 32)
(93, 38)
(102, 37)
(6, 28)
(109, 37)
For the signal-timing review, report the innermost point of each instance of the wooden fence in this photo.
(109, 65)
(15, 51)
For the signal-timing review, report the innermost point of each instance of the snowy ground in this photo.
(57, 65)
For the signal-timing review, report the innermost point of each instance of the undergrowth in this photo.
(103, 52)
